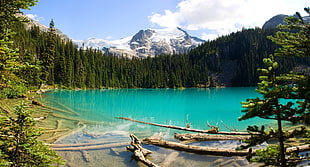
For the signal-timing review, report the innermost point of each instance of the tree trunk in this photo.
(206, 137)
(189, 129)
(198, 149)
(302, 148)
(281, 138)
(139, 151)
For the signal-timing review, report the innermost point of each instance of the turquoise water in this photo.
(164, 106)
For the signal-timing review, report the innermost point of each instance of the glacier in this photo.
(145, 43)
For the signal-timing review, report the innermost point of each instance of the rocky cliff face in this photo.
(150, 42)
(274, 21)
(279, 19)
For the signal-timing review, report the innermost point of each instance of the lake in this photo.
(196, 106)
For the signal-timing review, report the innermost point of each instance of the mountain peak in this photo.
(274, 21)
(279, 19)
(149, 42)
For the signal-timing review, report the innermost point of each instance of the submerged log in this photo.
(78, 144)
(188, 129)
(206, 137)
(91, 147)
(66, 108)
(39, 119)
(169, 159)
(198, 149)
(36, 102)
(79, 120)
(139, 151)
(85, 156)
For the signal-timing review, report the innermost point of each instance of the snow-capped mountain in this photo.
(145, 43)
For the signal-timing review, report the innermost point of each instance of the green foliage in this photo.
(48, 55)
(271, 157)
(285, 96)
(8, 11)
(10, 62)
(19, 143)
(9, 65)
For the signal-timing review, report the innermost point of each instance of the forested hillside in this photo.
(234, 59)
(230, 60)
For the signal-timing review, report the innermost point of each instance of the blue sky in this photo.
(114, 19)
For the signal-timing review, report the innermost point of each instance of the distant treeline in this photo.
(230, 60)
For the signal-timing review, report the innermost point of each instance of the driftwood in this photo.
(188, 129)
(206, 137)
(302, 148)
(198, 149)
(139, 151)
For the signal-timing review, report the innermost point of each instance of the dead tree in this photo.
(139, 152)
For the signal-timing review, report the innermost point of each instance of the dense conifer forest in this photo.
(230, 60)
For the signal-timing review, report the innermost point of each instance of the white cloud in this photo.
(35, 17)
(210, 36)
(223, 16)
(169, 19)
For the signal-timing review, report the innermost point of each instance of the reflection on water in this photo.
(97, 110)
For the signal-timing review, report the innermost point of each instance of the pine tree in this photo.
(48, 55)
(286, 97)
(10, 64)
(19, 143)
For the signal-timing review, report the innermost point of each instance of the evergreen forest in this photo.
(230, 60)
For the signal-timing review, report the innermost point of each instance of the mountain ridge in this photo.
(276, 20)
(149, 42)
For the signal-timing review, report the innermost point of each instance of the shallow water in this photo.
(164, 106)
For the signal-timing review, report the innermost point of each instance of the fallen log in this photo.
(79, 144)
(80, 120)
(36, 102)
(39, 119)
(139, 151)
(188, 129)
(207, 137)
(62, 136)
(93, 147)
(198, 149)
(66, 108)
(302, 148)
